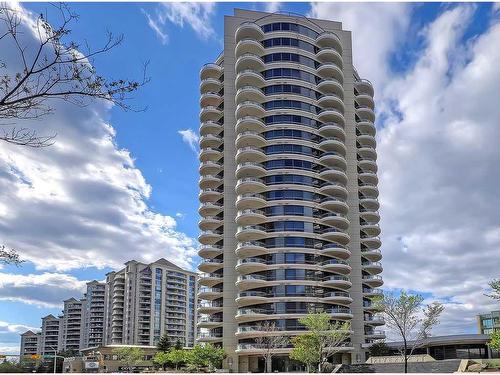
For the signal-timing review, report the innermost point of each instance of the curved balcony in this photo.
(210, 279)
(210, 167)
(375, 335)
(250, 297)
(368, 189)
(335, 235)
(332, 100)
(371, 242)
(248, 249)
(337, 281)
(332, 129)
(210, 265)
(250, 201)
(210, 113)
(210, 251)
(210, 195)
(329, 39)
(210, 222)
(372, 229)
(374, 281)
(248, 45)
(249, 108)
(250, 217)
(369, 215)
(366, 127)
(250, 154)
(366, 100)
(210, 85)
(365, 113)
(331, 115)
(334, 188)
(251, 281)
(249, 78)
(368, 177)
(372, 267)
(334, 204)
(366, 140)
(249, 93)
(363, 86)
(209, 294)
(209, 181)
(249, 61)
(372, 254)
(249, 169)
(367, 165)
(335, 219)
(329, 69)
(250, 185)
(211, 70)
(210, 99)
(210, 140)
(372, 292)
(333, 159)
(210, 154)
(248, 30)
(337, 297)
(209, 323)
(328, 54)
(210, 209)
(209, 307)
(336, 250)
(330, 86)
(336, 265)
(333, 174)
(369, 203)
(210, 237)
(247, 139)
(250, 232)
(333, 144)
(249, 123)
(250, 265)
(374, 320)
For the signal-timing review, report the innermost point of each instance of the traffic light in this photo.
(35, 356)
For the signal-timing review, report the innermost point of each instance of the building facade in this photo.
(288, 187)
(488, 323)
(30, 342)
(145, 301)
(93, 317)
(71, 325)
(50, 335)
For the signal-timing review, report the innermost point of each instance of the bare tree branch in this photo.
(53, 68)
(9, 256)
(269, 340)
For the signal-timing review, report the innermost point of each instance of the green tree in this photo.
(163, 344)
(206, 356)
(379, 349)
(495, 287)
(9, 367)
(161, 359)
(305, 351)
(327, 337)
(177, 357)
(409, 318)
(130, 356)
(495, 340)
(178, 344)
(271, 340)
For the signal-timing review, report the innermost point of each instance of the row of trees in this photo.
(201, 357)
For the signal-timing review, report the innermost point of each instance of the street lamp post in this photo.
(55, 357)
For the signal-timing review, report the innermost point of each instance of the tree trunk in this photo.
(269, 364)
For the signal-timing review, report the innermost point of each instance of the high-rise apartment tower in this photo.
(289, 221)
(145, 301)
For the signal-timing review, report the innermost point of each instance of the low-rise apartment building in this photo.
(488, 323)
(30, 342)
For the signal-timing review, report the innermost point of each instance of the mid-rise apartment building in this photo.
(30, 342)
(50, 335)
(288, 181)
(93, 317)
(71, 325)
(488, 323)
(144, 301)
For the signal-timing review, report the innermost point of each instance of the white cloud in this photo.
(191, 138)
(373, 37)
(43, 290)
(272, 6)
(153, 24)
(6, 327)
(438, 168)
(198, 16)
(81, 202)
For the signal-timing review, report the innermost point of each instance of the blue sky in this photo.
(403, 54)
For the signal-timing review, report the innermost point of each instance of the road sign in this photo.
(91, 365)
